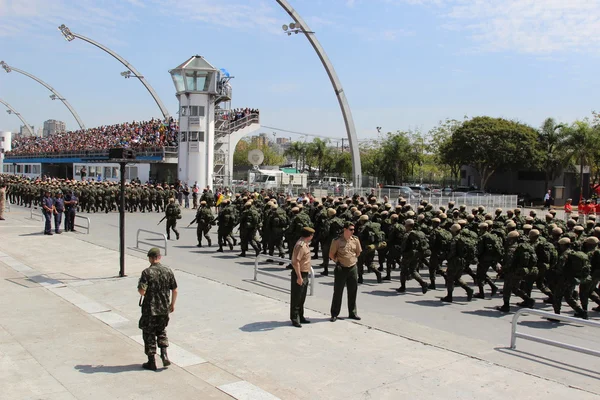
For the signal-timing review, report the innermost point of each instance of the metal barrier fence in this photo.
(311, 274)
(34, 215)
(87, 228)
(138, 241)
(514, 334)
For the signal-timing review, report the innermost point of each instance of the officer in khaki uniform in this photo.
(301, 267)
(344, 253)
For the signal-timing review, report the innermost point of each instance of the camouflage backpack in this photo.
(419, 242)
(280, 219)
(493, 245)
(526, 257)
(579, 265)
(441, 241)
(467, 248)
(372, 233)
(547, 253)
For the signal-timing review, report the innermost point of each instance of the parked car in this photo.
(397, 191)
(421, 190)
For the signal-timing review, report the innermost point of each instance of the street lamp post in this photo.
(13, 111)
(56, 95)
(299, 26)
(132, 72)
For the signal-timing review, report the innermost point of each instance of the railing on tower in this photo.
(225, 127)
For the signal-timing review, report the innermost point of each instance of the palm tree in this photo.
(318, 149)
(295, 151)
(580, 143)
(553, 155)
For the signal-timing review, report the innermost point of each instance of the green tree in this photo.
(494, 144)
(582, 146)
(440, 146)
(240, 157)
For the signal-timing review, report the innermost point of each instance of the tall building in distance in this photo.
(53, 126)
(23, 132)
(261, 140)
(5, 145)
(282, 141)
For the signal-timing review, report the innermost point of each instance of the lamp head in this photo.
(5, 66)
(66, 32)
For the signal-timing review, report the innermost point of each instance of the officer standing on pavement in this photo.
(156, 284)
(301, 267)
(48, 210)
(344, 253)
(59, 209)
(71, 210)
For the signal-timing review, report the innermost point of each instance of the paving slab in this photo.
(410, 345)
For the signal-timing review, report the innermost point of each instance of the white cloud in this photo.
(18, 17)
(525, 26)
(529, 26)
(242, 15)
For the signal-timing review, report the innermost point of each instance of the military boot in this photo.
(151, 364)
(164, 357)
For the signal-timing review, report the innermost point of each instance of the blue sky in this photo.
(404, 64)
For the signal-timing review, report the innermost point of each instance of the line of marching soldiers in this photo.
(97, 196)
(561, 259)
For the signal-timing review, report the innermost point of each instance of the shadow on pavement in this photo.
(544, 324)
(430, 303)
(33, 234)
(550, 362)
(384, 293)
(108, 369)
(487, 312)
(264, 326)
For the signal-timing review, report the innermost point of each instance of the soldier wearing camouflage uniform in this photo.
(457, 261)
(249, 221)
(158, 286)
(173, 213)
(205, 219)
(412, 247)
(519, 258)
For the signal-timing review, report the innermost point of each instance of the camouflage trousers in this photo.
(154, 330)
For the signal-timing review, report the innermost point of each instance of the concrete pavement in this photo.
(232, 335)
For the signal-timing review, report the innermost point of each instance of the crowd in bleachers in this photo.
(146, 135)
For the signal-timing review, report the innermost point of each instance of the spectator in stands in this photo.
(153, 134)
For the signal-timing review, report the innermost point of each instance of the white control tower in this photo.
(199, 89)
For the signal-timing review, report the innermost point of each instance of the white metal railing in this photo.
(525, 311)
(86, 227)
(35, 213)
(311, 274)
(138, 241)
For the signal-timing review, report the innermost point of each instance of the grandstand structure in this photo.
(164, 160)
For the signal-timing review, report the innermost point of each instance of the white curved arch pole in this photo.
(70, 36)
(337, 87)
(9, 68)
(18, 115)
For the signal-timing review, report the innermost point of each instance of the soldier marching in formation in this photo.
(561, 259)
